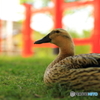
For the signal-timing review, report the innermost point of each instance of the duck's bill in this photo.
(45, 39)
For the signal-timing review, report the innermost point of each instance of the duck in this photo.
(77, 72)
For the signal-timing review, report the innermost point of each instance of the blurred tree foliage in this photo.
(86, 34)
(26, 1)
(44, 2)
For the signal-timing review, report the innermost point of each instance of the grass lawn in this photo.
(22, 79)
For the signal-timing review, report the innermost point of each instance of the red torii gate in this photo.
(57, 11)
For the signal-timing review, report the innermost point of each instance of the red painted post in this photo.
(96, 35)
(26, 34)
(57, 17)
(0, 35)
(58, 13)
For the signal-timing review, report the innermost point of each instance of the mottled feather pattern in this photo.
(81, 61)
(76, 71)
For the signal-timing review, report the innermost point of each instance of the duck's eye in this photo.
(57, 31)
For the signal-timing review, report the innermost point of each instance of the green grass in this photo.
(22, 79)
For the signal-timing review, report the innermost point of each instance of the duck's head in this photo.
(59, 37)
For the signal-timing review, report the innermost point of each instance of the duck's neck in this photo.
(64, 52)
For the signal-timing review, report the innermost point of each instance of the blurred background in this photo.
(24, 21)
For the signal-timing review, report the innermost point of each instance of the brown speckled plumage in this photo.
(75, 71)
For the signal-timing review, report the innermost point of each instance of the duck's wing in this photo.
(81, 61)
(77, 72)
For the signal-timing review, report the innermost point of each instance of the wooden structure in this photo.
(57, 13)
